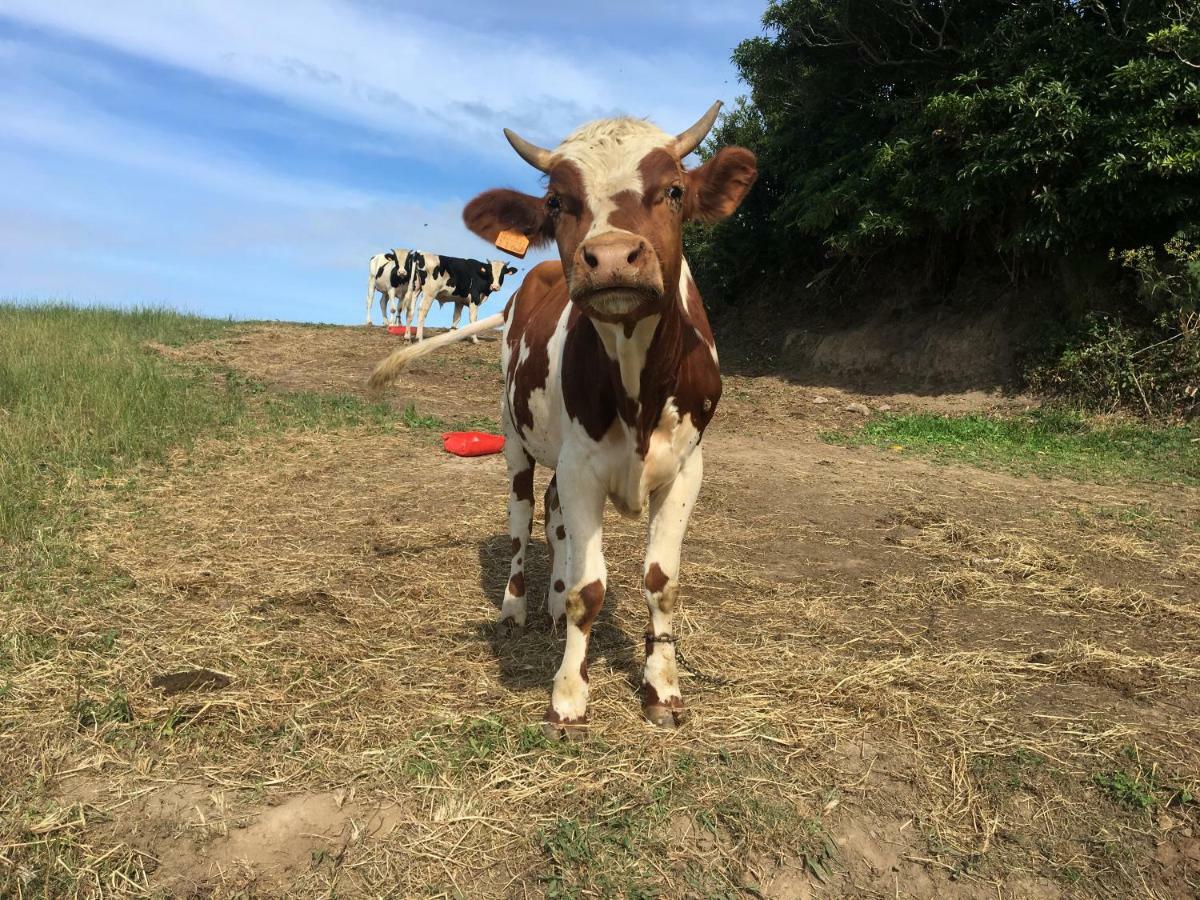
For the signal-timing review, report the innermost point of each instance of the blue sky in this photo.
(246, 159)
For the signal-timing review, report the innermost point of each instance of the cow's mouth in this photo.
(607, 304)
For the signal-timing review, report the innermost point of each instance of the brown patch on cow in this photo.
(516, 585)
(584, 605)
(522, 486)
(505, 210)
(583, 667)
(533, 315)
(516, 545)
(559, 587)
(554, 718)
(650, 698)
(560, 532)
(591, 380)
(574, 218)
(718, 187)
(656, 579)
(679, 364)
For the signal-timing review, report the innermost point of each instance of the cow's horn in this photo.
(538, 157)
(687, 141)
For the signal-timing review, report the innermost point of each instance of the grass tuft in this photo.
(1048, 441)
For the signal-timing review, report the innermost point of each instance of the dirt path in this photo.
(904, 679)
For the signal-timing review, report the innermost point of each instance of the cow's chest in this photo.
(633, 475)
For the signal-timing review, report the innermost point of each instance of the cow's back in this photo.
(531, 358)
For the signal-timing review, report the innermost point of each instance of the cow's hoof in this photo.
(556, 728)
(564, 731)
(662, 716)
(507, 629)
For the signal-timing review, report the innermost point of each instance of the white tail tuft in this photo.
(388, 370)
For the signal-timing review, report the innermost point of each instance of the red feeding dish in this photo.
(398, 329)
(472, 443)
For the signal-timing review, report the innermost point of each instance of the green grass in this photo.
(1139, 786)
(421, 422)
(82, 397)
(1048, 441)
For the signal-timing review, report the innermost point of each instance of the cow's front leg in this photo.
(473, 314)
(581, 496)
(457, 315)
(426, 302)
(520, 522)
(670, 508)
(411, 295)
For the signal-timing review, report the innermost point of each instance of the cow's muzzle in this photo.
(616, 276)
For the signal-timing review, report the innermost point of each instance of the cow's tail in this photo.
(388, 370)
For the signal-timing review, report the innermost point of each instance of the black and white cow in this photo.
(450, 279)
(390, 274)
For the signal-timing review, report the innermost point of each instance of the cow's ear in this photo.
(503, 210)
(718, 187)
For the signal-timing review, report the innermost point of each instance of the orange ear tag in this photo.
(513, 242)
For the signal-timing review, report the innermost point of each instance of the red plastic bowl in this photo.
(472, 443)
(398, 329)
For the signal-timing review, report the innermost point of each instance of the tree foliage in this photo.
(1016, 134)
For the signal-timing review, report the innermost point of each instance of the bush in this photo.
(1149, 370)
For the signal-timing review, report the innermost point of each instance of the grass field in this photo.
(248, 647)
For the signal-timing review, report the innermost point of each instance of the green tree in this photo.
(1024, 136)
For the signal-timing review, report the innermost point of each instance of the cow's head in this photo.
(497, 269)
(615, 203)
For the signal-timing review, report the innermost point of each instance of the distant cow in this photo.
(449, 279)
(390, 274)
(610, 374)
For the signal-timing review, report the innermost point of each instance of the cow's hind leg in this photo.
(670, 509)
(556, 544)
(582, 503)
(520, 521)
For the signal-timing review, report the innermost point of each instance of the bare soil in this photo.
(903, 679)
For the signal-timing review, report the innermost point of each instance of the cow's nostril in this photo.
(634, 254)
(590, 259)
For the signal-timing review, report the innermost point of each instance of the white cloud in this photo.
(406, 75)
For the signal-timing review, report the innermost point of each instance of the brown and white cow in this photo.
(610, 372)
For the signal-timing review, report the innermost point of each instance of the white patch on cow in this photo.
(607, 154)
(685, 283)
(570, 694)
(629, 352)
(543, 441)
(497, 267)
(671, 443)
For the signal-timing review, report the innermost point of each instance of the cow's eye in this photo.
(554, 204)
(675, 193)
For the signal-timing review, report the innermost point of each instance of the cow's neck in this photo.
(647, 356)
(628, 347)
